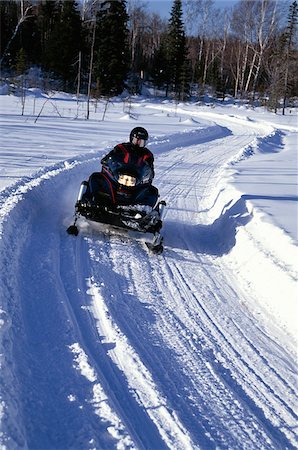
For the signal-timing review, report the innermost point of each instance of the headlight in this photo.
(127, 180)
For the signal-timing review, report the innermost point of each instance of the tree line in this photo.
(100, 47)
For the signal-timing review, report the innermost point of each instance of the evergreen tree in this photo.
(62, 33)
(281, 66)
(176, 49)
(29, 38)
(111, 62)
(48, 15)
(21, 66)
(9, 20)
(19, 31)
(21, 62)
(275, 72)
(292, 24)
(290, 55)
(161, 73)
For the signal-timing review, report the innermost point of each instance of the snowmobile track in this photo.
(116, 349)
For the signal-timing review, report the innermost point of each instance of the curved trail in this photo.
(115, 348)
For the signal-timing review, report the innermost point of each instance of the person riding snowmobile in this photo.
(122, 195)
(133, 155)
(137, 145)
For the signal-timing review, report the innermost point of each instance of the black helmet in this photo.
(139, 136)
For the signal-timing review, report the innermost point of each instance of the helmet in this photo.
(139, 136)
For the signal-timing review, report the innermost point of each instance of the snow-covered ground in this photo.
(106, 346)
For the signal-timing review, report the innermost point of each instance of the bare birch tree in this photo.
(265, 30)
(254, 23)
(211, 25)
(198, 13)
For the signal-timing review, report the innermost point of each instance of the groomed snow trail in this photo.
(110, 347)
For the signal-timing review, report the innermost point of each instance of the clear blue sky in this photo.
(163, 7)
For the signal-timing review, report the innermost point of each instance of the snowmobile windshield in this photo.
(129, 175)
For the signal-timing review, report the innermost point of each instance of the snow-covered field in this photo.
(105, 346)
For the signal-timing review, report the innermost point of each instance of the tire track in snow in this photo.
(217, 387)
(179, 354)
(205, 347)
(105, 384)
(123, 376)
(47, 328)
(252, 370)
(38, 195)
(279, 401)
(268, 424)
(138, 377)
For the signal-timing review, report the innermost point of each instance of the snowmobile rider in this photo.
(136, 145)
(132, 153)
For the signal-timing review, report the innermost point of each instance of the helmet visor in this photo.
(138, 141)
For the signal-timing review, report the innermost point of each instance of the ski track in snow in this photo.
(114, 348)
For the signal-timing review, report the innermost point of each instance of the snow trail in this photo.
(114, 348)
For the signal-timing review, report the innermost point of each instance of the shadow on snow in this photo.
(217, 238)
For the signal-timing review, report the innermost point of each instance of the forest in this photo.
(100, 48)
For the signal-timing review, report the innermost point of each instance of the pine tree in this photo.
(176, 49)
(289, 44)
(29, 38)
(161, 73)
(48, 15)
(111, 62)
(281, 64)
(21, 66)
(21, 62)
(62, 31)
(9, 20)
(18, 31)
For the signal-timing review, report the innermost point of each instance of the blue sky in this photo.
(163, 7)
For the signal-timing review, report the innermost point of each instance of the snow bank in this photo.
(4, 89)
(263, 260)
(254, 202)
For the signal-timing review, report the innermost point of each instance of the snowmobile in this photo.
(122, 195)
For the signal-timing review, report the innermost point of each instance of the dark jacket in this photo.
(126, 149)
